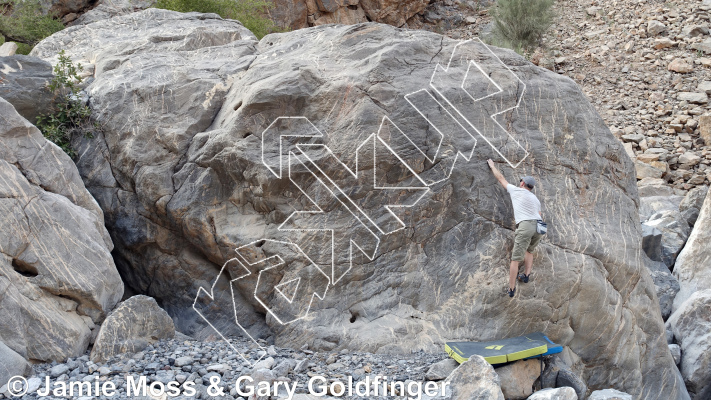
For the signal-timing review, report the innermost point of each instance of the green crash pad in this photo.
(501, 351)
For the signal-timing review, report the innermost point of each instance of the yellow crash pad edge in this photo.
(458, 356)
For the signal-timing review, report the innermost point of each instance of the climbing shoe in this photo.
(510, 291)
(523, 278)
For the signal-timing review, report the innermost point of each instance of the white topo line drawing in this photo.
(296, 142)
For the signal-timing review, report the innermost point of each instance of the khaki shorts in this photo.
(526, 239)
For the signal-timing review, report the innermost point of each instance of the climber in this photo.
(527, 212)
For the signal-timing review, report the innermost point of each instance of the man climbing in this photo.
(527, 212)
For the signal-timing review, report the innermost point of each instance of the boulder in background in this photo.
(130, 327)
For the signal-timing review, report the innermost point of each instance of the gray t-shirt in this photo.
(525, 204)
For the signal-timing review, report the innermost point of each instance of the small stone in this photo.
(517, 378)
(629, 47)
(695, 30)
(267, 363)
(183, 361)
(693, 97)
(663, 43)
(271, 351)
(440, 370)
(680, 66)
(335, 366)
(33, 384)
(645, 170)
(609, 394)
(220, 368)
(564, 393)
(704, 46)
(58, 370)
(705, 129)
(655, 27)
(593, 11)
(647, 158)
(635, 137)
(629, 150)
(689, 158)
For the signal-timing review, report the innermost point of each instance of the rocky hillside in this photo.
(644, 66)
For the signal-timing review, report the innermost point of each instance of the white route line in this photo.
(211, 295)
(349, 204)
(281, 227)
(281, 153)
(372, 138)
(281, 262)
(470, 63)
(442, 135)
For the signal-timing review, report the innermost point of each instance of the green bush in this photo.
(520, 24)
(248, 12)
(69, 114)
(22, 22)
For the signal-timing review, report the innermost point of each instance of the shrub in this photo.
(23, 22)
(69, 114)
(520, 24)
(248, 12)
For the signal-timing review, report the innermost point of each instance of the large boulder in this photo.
(131, 327)
(24, 84)
(12, 364)
(693, 265)
(691, 325)
(662, 213)
(517, 378)
(652, 243)
(690, 207)
(184, 179)
(57, 276)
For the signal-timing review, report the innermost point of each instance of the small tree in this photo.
(248, 12)
(23, 22)
(520, 24)
(69, 113)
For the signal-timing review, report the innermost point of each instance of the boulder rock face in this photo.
(23, 84)
(133, 325)
(57, 277)
(185, 179)
(691, 206)
(12, 364)
(662, 213)
(693, 265)
(691, 324)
